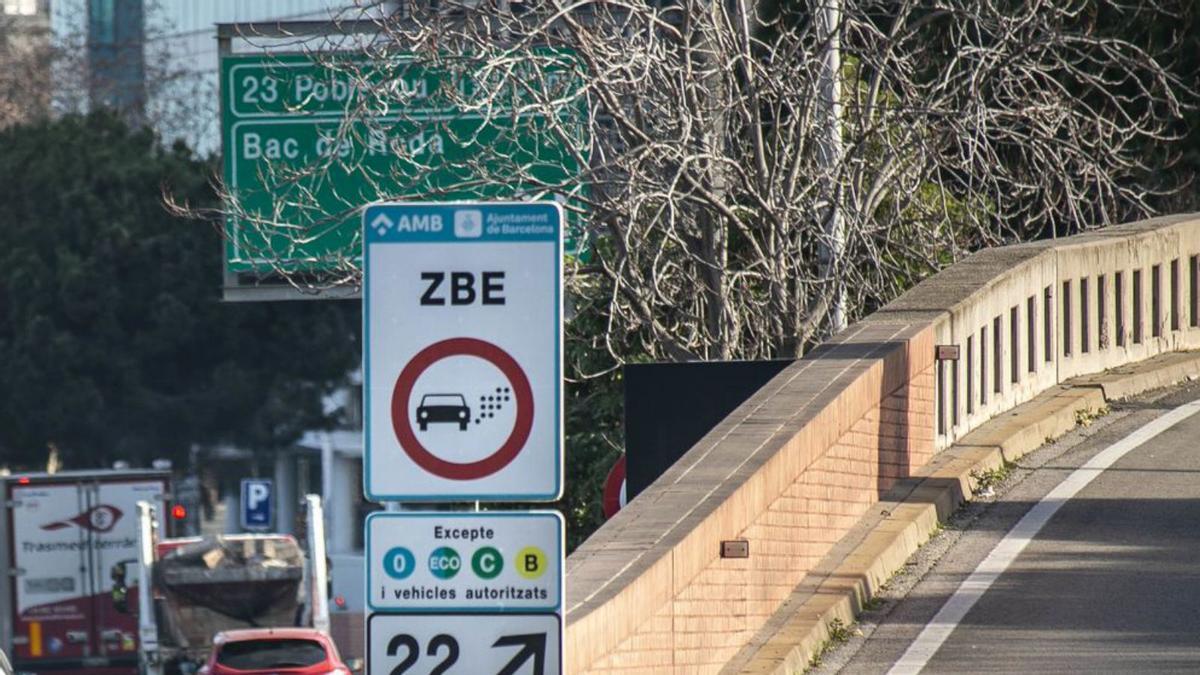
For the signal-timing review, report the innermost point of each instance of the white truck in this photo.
(60, 534)
(189, 589)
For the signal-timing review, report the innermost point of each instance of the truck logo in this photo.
(101, 518)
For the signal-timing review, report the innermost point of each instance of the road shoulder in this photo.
(849, 579)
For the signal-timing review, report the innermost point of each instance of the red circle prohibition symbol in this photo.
(403, 390)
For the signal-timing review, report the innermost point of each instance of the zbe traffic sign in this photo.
(463, 339)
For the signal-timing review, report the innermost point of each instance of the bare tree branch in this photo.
(682, 137)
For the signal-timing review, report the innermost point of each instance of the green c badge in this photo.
(487, 563)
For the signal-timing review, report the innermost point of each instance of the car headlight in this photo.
(424, 414)
(462, 414)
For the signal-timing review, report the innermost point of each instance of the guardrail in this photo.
(795, 466)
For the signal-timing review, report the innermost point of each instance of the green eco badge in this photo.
(487, 563)
(444, 563)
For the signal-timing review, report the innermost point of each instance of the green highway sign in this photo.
(308, 143)
(288, 84)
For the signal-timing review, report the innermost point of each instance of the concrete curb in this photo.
(919, 504)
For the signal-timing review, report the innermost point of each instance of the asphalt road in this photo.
(1111, 583)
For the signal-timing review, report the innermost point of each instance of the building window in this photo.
(941, 397)
(1031, 326)
(1085, 320)
(970, 374)
(1119, 307)
(19, 7)
(1102, 311)
(983, 366)
(1137, 307)
(997, 357)
(1014, 345)
(1156, 300)
(1193, 298)
(102, 20)
(954, 393)
(1048, 324)
(1066, 318)
(1174, 309)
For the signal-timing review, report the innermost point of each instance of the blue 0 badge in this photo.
(399, 563)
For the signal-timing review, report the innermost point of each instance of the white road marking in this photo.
(948, 617)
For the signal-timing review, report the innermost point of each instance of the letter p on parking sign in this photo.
(256, 503)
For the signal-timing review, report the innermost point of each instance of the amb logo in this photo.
(427, 222)
(419, 223)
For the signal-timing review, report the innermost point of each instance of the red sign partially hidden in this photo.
(614, 489)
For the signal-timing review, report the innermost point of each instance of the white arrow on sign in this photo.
(533, 646)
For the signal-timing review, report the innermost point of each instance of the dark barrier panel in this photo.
(670, 406)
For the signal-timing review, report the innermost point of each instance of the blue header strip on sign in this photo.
(447, 221)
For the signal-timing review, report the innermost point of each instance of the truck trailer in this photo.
(60, 535)
(189, 589)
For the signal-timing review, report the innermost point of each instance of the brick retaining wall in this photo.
(796, 465)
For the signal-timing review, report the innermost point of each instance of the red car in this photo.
(276, 651)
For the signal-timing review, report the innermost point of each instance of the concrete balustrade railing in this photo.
(795, 466)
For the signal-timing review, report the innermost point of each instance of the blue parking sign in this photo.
(256, 503)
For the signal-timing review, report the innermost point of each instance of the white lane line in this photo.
(948, 617)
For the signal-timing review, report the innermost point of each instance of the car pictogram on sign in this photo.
(517, 389)
(443, 408)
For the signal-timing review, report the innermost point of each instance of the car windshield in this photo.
(256, 654)
(443, 399)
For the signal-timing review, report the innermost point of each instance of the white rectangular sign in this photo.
(488, 562)
(478, 644)
(463, 340)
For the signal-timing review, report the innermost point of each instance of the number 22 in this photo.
(414, 651)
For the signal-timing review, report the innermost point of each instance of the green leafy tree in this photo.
(113, 341)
